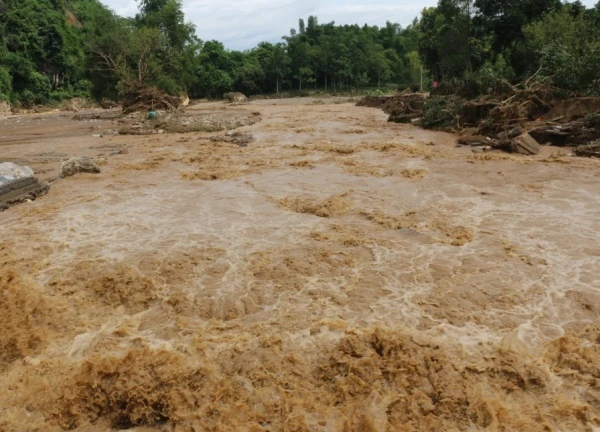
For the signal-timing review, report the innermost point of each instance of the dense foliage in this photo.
(325, 56)
(55, 49)
(484, 41)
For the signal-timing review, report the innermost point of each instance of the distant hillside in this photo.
(42, 48)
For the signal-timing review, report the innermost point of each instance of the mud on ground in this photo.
(316, 279)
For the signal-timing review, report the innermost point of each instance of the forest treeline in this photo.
(56, 49)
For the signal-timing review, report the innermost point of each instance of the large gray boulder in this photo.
(235, 97)
(17, 185)
(10, 171)
(81, 164)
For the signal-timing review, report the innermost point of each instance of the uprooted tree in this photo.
(132, 60)
(144, 55)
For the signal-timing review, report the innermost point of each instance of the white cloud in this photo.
(242, 24)
(123, 8)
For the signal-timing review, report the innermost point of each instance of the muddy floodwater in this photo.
(337, 273)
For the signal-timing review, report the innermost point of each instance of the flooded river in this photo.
(338, 273)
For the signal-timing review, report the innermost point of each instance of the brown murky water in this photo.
(338, 274)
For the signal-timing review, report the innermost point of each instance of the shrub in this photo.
(441, 112)
(40, 87)
(376, 93)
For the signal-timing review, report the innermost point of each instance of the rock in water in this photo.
(235, 97)
(17, 185)
(81, 164)
(11, 171)
(525, 144)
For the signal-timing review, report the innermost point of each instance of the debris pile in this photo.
(576, 132)
(513, 141)
(77, 103)
(93, 116)
(179, 122)
(583, 133)
(402, 108)
(528, 115)
(465, 89)
(524, 105)
(589, 150)
(81, 164)
(18, 184)
(143, 99)
(108, 104)
(442, 113)
(234, 137)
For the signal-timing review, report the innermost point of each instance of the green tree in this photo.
(178, 53)
(566, 45)
(40, 48)
(213, 72)
(274, 61)
(378, 64)
(505, 19)
(300, 54)
(447, 39)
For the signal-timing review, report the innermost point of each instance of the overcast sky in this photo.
(242, 24)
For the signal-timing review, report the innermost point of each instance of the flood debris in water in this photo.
(316, 280)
